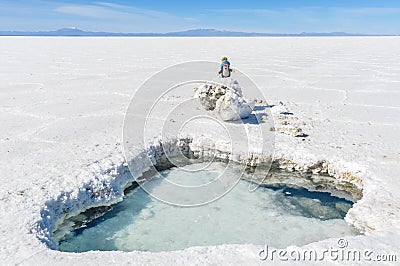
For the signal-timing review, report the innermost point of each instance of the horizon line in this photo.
(199, 32)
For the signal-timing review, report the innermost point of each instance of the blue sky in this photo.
(274, 16)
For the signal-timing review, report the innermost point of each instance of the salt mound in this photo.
(227, 103)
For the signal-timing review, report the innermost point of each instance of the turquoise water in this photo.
(278, 216)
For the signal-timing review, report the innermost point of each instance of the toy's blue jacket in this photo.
(224, 63)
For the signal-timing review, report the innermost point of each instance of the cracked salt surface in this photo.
(279, 217)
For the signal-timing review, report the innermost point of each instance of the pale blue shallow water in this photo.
(278, 217)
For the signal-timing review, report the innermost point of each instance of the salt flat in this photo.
(62, 104)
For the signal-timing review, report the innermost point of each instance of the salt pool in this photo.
(278, 216)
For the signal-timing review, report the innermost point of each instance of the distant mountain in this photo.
(213, 32)
(187, 33)
(61, 32)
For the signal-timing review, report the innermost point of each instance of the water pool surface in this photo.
(278, 217)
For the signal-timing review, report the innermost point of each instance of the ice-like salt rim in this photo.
(111, 179)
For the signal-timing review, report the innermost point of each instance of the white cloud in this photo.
(112, 5)
(124, 17)
(135, 10)
(90, 11)
(111, 10)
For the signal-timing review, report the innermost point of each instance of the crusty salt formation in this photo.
(227, 102)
